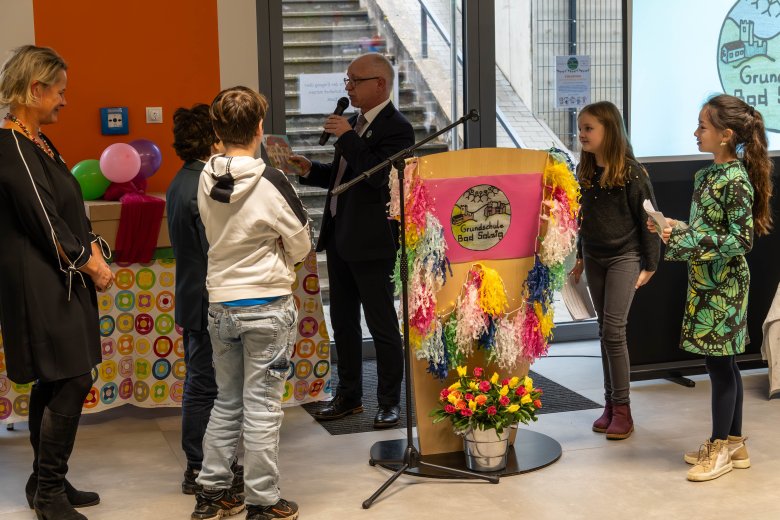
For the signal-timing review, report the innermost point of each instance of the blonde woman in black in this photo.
(52, 264)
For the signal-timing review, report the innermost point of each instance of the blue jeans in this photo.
(252, 349)
(200, 390)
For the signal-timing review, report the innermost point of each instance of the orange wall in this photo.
(134, 54)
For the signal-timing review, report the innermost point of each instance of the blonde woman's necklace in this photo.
(40, 143)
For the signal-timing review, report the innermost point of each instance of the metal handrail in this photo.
(425, 14)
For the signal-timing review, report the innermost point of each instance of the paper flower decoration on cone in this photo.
(120, 162)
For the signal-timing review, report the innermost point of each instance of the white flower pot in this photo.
(485, 450)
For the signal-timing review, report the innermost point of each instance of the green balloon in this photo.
(90, 178)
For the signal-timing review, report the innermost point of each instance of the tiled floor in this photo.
(132, 457)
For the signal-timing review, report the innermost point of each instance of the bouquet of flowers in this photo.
(481, 403)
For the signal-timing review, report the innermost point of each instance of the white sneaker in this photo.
(737, 449)
(714, 461)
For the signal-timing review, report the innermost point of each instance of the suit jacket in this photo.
(361, 230)
(190, 247)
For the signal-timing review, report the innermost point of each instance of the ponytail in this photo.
(759, 167)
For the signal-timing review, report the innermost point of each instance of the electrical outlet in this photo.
(154, 115)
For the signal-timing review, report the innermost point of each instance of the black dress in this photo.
(48, 310)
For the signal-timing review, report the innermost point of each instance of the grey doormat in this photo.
(556, 398)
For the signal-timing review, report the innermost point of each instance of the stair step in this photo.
(414, 113)
(319, 18)
(319, 64)
(406, 96)
(325, 5)
(324, 49)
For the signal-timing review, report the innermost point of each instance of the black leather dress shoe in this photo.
(336, 409)
(387, 416)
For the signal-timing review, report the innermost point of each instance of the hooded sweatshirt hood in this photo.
(229, 179)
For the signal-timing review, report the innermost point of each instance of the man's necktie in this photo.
(359, 124)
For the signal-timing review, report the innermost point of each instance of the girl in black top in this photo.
(615, 248)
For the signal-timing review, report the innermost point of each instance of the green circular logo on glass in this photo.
(572, 63)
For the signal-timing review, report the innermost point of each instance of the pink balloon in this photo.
(120, 162)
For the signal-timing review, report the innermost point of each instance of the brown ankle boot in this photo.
(602, 423)
(622, 425)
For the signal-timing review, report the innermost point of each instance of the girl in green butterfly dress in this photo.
(730, 203)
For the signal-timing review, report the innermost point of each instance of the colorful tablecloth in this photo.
(143, 351)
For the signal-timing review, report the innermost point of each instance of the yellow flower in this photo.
(513, 408)
(514, 382)
(452, 398)
(473, 405)
(526, 399)
(504, 390)
(462, 371)
(494, 379)
(456, 385)
(529, 384)
(473, 385)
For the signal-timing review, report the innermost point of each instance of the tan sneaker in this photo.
(737, 450)
(714, 461)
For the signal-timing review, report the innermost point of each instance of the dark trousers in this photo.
(367, 283)
(612, 283)
(726, 396)
(200, 390)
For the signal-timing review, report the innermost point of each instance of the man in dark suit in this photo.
(194, 142)
(359, 240)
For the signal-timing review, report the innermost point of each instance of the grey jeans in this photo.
(252, 349)
(612, 283)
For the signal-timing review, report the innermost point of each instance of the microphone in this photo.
(341, 106)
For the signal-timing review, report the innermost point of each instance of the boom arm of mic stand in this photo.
(406, 152)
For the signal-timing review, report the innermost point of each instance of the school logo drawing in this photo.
(748, 52)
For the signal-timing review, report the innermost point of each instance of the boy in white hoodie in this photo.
(257, 230)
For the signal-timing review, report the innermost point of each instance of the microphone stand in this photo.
(411, 456)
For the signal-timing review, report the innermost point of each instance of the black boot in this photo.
(39, 398)
(57, 435)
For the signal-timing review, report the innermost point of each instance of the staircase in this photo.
(325, 36)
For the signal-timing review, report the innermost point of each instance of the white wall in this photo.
(513, 45)
(18, 27)
(237, 25)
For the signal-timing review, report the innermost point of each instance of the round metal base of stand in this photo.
(532, 451)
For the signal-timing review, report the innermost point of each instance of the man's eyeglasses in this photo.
(352, 82)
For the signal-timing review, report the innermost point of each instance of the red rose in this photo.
(505, 382)
(484, 386)
(449, 408)
(444, 393)
(538, 391)
(469, 397)
(477, 372)
(537, 403)
(466, 412)
(520, 391)
(491, 410)
(504, 400)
